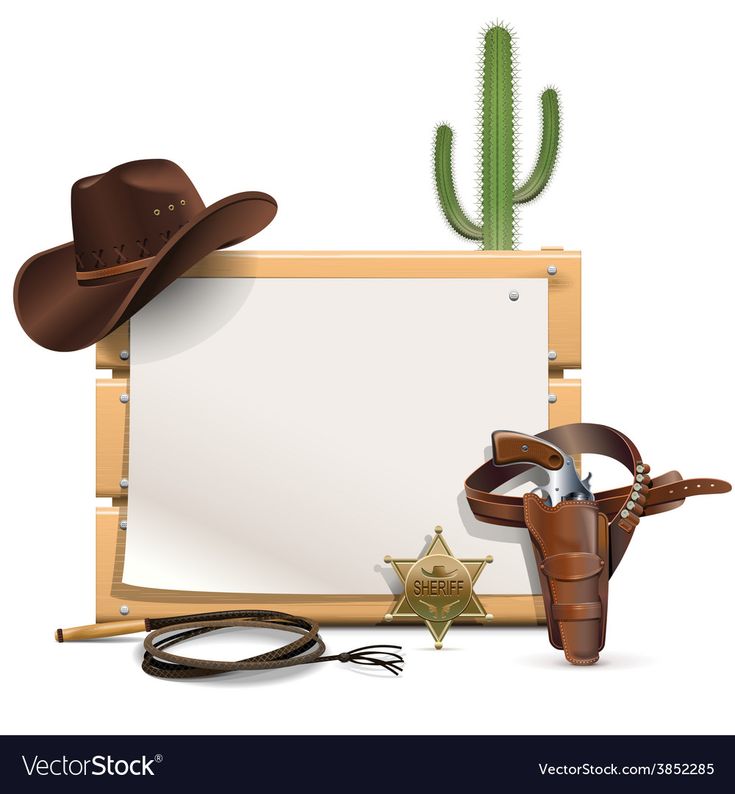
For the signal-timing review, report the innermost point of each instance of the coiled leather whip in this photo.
(166, 632)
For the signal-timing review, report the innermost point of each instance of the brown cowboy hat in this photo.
(136, 229)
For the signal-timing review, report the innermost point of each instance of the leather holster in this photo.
(579, 543)
(570, 542)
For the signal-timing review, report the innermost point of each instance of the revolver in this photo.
(554, 473)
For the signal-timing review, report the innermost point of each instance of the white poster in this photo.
(286, 434)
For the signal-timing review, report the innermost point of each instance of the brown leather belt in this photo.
(578, 544)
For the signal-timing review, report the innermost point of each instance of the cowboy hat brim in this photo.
(59, 313)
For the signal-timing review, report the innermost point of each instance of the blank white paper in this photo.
(287, 434)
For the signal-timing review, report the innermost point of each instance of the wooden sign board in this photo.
(293, 395)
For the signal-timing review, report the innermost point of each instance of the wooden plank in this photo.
(145, 602)
(108, 350)
(112, 436)
(568, 405)
(383, 264)
(565, 314)
(107, 532)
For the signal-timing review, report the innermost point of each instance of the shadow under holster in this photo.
(570, 542)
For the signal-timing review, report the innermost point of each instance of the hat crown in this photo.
(130, 212)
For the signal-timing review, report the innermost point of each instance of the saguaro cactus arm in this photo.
(448, 200)
(547, 152)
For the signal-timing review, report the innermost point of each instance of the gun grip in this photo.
(510, 447)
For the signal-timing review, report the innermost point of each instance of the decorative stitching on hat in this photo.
(98, 261)
(121, 258)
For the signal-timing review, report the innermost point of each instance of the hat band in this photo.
(114, 270)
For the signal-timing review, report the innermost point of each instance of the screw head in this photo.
(438, 530)
(124, 355)
(124, 483)
(524, 447)
(124, 398)
(514, 295)
(489, 616)
(552, 398)
(552, 355)
(388, 618)
(123, 525)
(124, 609)
(551, 270)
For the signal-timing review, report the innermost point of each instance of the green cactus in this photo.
(499, 191)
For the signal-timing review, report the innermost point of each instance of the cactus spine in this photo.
(499, 191)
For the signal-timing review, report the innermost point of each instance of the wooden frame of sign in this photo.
(116, 600)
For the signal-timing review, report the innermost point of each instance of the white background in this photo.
(331, 108)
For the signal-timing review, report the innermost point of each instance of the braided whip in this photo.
(306, 649)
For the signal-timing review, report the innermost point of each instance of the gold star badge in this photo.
(438, 588)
